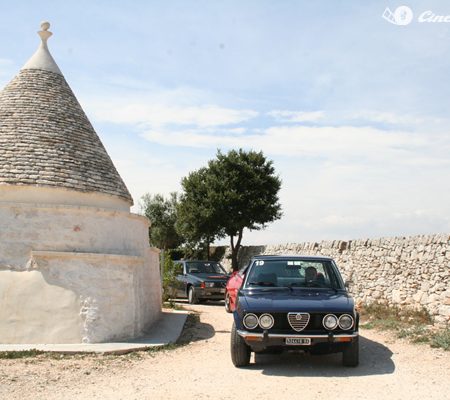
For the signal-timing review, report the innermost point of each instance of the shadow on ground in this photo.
(194, 330)
(375, 359)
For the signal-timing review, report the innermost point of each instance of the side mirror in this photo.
(347, 284)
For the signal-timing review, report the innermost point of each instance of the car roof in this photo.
(291, 257)
(205, 261)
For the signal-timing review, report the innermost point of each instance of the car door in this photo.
(180, 279)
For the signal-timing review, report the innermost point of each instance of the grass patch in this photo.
(172, 305)
(381, 315)
(11, 355)
(441, 339)
(414, 325)
(167, 347)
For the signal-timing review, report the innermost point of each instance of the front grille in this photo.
(220, 284)
(313, 325)
(298, 321)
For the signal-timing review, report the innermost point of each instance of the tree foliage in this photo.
(237, 190)
(196, 214)
(162, 213)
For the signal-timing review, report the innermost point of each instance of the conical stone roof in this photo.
(46, 138)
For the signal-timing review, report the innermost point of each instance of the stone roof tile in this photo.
(46, 138)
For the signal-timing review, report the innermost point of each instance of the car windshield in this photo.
(204, 267)
(293, 273)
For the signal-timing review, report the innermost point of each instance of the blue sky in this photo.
(353, 110)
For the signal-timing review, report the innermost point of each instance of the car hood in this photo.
(210, 277)
(298, 300)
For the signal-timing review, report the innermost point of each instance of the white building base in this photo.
(75, 274)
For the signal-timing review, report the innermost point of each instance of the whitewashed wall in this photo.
(75, 273)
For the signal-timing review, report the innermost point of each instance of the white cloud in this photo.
(329, 143)
(344, 177)
(361, 117)
(393, 118)
(296, 116)
(6, 62)
(194, 138)
(159, 112)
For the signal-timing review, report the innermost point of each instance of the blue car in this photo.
(294, 303)
(199, 280)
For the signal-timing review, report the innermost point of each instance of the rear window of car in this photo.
(201, 267)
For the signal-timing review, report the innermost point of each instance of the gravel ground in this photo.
(389, 368)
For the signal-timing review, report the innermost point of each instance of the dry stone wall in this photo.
(404, 271)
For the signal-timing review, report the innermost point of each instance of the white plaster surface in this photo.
(167, 329)
(60, 196)
(26, 227)
(51, 312)
(75, 273)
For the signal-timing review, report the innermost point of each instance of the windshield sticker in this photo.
(259, 263)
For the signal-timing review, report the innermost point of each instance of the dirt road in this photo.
(389, 369)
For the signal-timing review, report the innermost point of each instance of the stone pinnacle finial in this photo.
(42, 59)
(45, 33)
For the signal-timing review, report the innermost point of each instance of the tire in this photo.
(192, 297)
(350, 356)
(240, 352)
(227, 303)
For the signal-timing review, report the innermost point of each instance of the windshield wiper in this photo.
(262, 284)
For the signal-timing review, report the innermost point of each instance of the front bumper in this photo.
(264, 340)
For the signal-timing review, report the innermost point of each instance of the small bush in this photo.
(416, 333)
(169, 279)
(441, 339)
(414, 325)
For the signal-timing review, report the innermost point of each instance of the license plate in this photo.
(298, 341)
(222, 290)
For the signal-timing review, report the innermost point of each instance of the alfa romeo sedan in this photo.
(294, 303)
(200, 280)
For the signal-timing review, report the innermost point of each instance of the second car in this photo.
(199, 280)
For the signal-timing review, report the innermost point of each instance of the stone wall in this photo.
(405, 271)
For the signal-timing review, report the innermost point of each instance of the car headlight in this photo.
(330, 321)
(209, 284)
(266, 321)
(250, 321)
(345, 322)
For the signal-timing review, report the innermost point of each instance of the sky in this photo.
(353, 110)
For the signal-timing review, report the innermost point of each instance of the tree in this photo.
(162, 214)
(196, 220)
(237, 190)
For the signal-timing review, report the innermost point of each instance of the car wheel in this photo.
(240, 352)
(192, 297)
(227, 303)
(350, 356)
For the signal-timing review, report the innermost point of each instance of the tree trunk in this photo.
(235, 250)
(207, 248)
